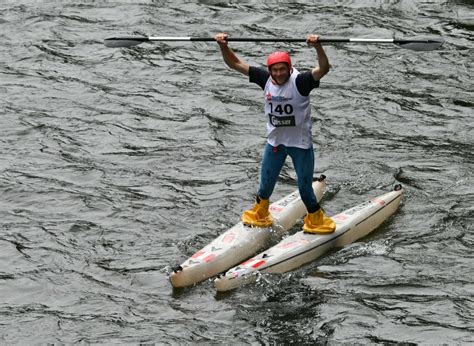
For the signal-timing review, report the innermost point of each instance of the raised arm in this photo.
(229, 56)
(323, 63)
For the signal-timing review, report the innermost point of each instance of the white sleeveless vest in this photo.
(288, 114)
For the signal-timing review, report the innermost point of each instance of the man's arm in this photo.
(323, 63)
(229, 56)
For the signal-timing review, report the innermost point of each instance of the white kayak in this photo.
(301, 248)
(240, 242)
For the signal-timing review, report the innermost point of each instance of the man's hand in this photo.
(313, 40)
(221, 39)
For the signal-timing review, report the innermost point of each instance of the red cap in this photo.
(277, 57)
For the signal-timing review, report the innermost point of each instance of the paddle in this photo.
(419, 44)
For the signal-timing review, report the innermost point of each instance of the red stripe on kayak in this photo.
(276, 208)
(228, 238)
(379, 201)
(209, 258)
(197, 254)
(247, 261)
(340, 217)
(258, 264)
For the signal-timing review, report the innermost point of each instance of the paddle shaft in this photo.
(273, 39)
(425, 44)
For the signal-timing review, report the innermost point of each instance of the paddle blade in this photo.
(422, 44)
(117, 42)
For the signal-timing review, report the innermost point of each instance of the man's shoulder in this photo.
(258, 75)
(258, 70)
(304, 74)
(305, 82)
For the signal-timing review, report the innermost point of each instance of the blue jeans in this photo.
(303, 161)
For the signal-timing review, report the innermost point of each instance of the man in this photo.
(288, 111)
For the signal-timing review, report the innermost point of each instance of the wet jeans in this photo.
(303, 161)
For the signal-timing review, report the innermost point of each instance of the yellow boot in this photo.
(258, 216)
(318, 223)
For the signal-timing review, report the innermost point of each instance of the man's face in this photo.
(280, 72)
